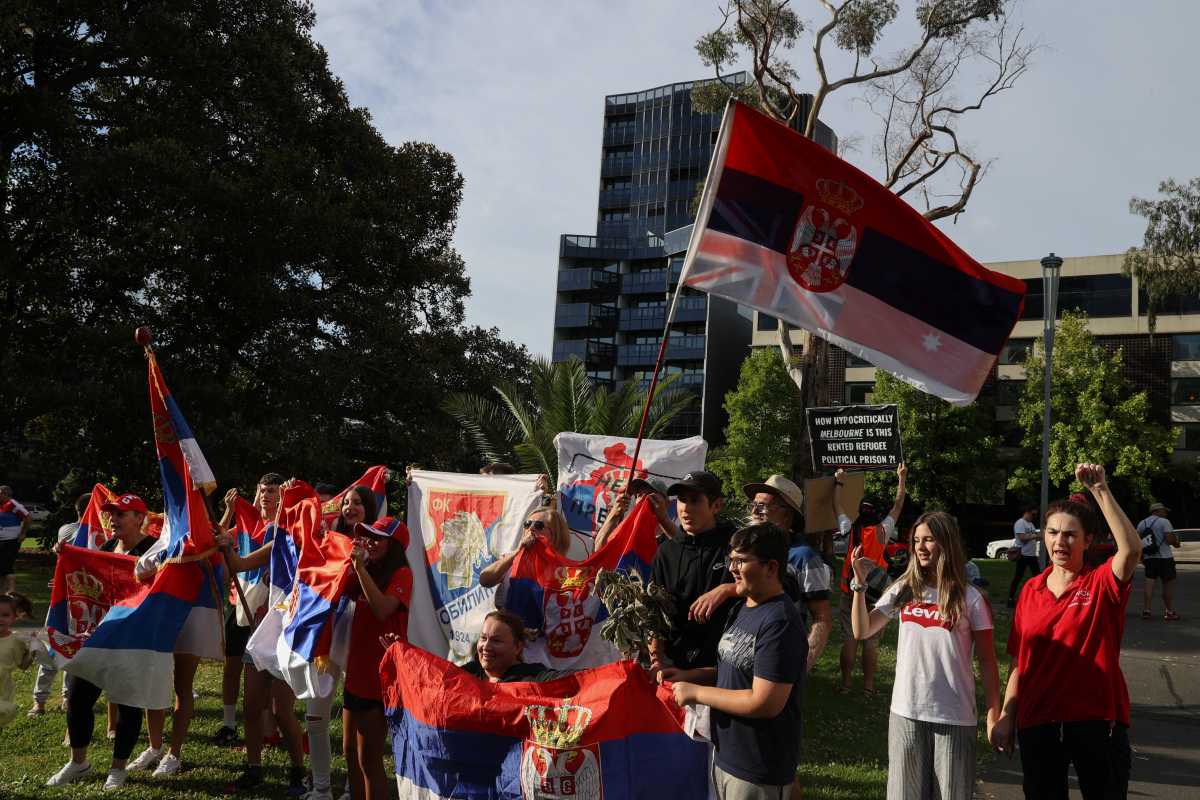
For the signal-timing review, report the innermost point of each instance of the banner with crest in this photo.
(593, 470)
(608, 733)
(86, 583)
(459, 524)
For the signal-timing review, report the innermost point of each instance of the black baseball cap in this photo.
(703, 482)
(645, 485)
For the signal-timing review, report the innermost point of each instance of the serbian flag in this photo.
(374, 479)
(605, 733)
(789, 228)
(95, 527)
(309, 653)
(250, 532)
(263, 644)
(184, 472)
(86, 583)
(557, 597)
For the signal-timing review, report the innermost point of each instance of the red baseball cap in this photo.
(126, 502)
(384, 528)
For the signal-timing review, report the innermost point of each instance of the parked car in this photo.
(37, 511)
(998, 548)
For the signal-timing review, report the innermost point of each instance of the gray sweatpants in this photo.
(45, 682)
(930, 760)
(730, 787)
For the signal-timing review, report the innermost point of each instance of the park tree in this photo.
(517, 423)
(918, 82)
(946, 448)
(195, 166)
(765, 421)
(1096, 417)
(1168, 262)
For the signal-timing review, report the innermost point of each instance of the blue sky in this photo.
(515, 91)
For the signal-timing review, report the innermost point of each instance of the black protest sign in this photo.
(854, 437)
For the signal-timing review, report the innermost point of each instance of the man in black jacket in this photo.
(692, 568)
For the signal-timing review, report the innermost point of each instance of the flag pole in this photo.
(702, 214)
(144, 338)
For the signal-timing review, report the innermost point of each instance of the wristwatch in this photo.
(855, 586)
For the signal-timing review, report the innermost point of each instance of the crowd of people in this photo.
(752, 616)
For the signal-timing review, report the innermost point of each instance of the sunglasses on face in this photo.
(535, 524)
(762, 508)
(735, 563)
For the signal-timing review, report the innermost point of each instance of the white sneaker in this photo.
(168, 766)
(70, 773)
(116, 779)
(319, 794)
(345, 793)
(148, 758)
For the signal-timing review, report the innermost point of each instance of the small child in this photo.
(14, 652)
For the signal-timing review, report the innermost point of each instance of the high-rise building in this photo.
(613, 287)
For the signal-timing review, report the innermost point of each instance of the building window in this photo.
(1186, 347)
(859, 393)
(1171, 304)
(1016, 351)
(766, 322)
(1185, 391)
(1189, 436)
(854, 361)
(1095, 295)
(1008, 393)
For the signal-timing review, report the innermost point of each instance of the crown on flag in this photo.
(573, 577)
(84, 583)
(558, 727)
(839, 195)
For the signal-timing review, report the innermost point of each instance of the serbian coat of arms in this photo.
(554, 766)
(825, 238)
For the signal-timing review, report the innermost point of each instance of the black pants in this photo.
(81, 719)
(1098, 749)
(1019, 566)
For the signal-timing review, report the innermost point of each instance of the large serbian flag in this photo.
(86, 583)
(557, 597)
(790, 229)
(375, 479)
(603, 733)
(95, 526)
(250, 532)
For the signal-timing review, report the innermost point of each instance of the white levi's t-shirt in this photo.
(935, 681)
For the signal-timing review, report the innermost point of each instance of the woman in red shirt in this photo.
(1067, 702)
(383, 592)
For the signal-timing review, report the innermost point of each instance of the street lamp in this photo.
(1051, 266)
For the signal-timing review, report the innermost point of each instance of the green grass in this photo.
(844, 746)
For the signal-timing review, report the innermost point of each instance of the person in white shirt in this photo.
(1025, 536)
(931, 728)
(1158, 537)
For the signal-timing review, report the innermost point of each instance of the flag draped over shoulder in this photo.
(263, 644)
(605, 733)
(308, 654)
(86, 583)
(557, 598)
(459, 524)
(788, 228)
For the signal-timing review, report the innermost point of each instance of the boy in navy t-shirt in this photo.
(759, 675)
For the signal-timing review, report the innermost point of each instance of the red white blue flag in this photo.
(602, 734)
(790, 229)
(375, 479)
(557, 597)
(86, 584)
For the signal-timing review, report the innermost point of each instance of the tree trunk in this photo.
(809, 369)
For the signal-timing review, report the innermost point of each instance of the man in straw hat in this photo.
(1158, 537)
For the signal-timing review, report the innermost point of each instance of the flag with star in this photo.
(788, 228)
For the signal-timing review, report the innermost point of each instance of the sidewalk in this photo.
(1161, 662)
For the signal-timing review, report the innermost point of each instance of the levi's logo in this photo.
(924, 614)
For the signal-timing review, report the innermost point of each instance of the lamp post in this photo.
(1051, 266)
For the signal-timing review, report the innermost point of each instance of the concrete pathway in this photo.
(1161, 662)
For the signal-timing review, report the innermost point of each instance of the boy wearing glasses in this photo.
(759, 675)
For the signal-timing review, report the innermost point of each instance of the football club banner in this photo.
(790, 229)
(606, 733)
(594, 470)
(86, 583)
(375, 479)
(459, 524)
(557, 598)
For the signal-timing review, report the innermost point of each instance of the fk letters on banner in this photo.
(458, 525)
(594, 470)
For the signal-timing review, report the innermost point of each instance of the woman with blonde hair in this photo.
(544, 523)
(943, 618)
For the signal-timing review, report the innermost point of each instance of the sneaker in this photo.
(168, 766)
(116, 779)
(70, 773)
(296, 787)
(345, 795)
(227, 737)
(111, 734)
(36, 710)
(250, 779)
(147, 760)
(319, 794)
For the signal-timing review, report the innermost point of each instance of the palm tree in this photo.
(561, 397)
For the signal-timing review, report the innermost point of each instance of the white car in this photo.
(998, 548)
(37, 511)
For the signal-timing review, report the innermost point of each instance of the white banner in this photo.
(459, 524)
(593, 470)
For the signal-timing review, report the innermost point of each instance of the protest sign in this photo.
(458, 525)
(818, 501)
(854, 437)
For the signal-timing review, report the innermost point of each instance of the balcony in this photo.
(651, 281)
(616, 166)
(615, 198)
(681, 348)
(594, 354)
(585, 279)
(693, 381)
(609, 248)
(646, 318)
(692, 309)
(584, 315)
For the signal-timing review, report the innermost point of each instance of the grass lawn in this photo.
(844, 749)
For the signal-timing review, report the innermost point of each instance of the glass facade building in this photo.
(613, 286)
